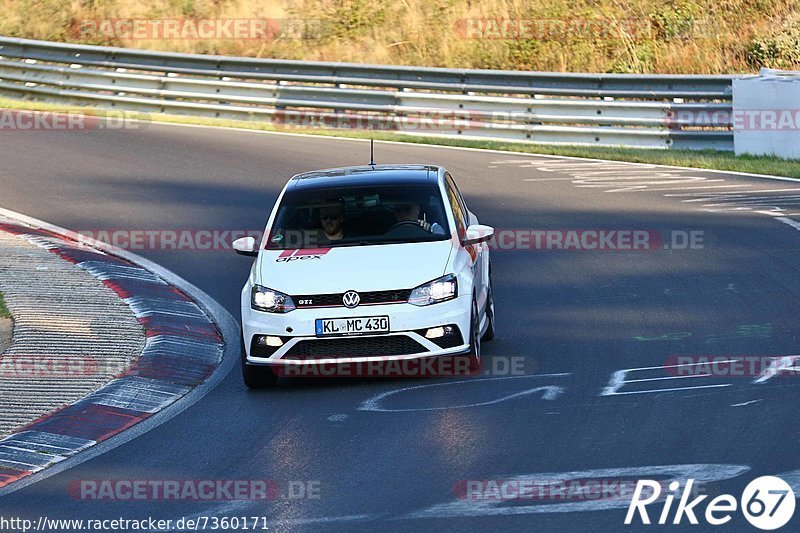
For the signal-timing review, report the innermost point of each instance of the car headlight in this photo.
(264, 299)
(433, 292)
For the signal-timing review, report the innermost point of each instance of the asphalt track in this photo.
(576, 317)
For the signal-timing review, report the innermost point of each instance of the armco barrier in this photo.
(655, 111)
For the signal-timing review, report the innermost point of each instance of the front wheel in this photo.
(489, 333)
(474, 339)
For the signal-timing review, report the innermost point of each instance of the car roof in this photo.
(367, 175)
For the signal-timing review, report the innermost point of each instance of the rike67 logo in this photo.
(767, 502)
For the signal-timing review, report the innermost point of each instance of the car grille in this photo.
(355, 347)
(367, 298)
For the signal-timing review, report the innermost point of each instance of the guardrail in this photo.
(658, 111)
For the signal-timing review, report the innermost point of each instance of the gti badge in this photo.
(351, 299)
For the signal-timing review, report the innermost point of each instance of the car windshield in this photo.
(365, 215)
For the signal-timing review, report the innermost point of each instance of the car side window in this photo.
(458, 195)
(455, 205)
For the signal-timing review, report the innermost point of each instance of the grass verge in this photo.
(4, 313)
(705, 159)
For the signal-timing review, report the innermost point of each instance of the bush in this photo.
(675, 22)
(780, 50)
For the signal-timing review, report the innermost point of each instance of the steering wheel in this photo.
(405, 223)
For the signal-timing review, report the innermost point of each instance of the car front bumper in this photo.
(404, 341)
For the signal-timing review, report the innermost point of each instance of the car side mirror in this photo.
(245, 246)
(477, 233)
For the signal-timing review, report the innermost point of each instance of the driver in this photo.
(409, 212)
(331, 218)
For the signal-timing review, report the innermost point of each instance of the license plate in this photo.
(352, 326)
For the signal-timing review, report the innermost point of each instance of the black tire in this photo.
(474, 340)
(489, 333)
(257, 377)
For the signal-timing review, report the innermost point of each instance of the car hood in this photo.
(360, 268)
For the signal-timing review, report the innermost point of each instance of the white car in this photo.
(366, 264)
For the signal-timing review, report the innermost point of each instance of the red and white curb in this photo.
(184, 347)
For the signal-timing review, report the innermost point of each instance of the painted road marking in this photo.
(721, 193)
(692, 188)
(619, 380)
(745, 403)
(620, 177)
(793, 479)
(319, 520)
(548, 392)
(779, 365)
(701, 473)
(793, 223)
(251, 509)
(756, 199)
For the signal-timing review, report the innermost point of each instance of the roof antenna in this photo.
(372, 152)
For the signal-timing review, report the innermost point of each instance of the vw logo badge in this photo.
(351, 299)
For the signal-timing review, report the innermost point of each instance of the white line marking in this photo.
(320, 520)
(623, 173)
(745, 403)
(672, 389)
(592, 178)
(765, 202)
(548, 179)
(750, 196)
(617, 380)
(677, 366)
(701, 197)
(474, 505)
(550, 392)
(644, 380)
(793, 479)
(238, 508)
(728, 210)
(777, 366)
(633, 187)
(793, 223)
(694, 188)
